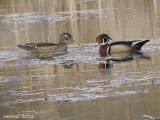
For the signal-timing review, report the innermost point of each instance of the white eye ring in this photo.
(66, 36)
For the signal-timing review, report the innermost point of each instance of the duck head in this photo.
(65, 38)
(102, 39)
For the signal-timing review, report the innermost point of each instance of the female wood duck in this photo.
(64, 39)
(119, 46)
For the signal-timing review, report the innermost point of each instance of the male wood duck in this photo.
(64, 39)
(118, 46)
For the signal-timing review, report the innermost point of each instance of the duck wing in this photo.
(44, 44)
(137, 44)
(31, 46)
(124, 46)
(140, 43)
(126, 43)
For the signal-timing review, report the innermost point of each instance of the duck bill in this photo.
(97, 43)
(73, 40)
(70, 41)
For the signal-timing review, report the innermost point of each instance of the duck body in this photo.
(49, 47)
(118, 46)
(43, 47)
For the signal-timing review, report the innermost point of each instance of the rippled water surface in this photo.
(79, 84)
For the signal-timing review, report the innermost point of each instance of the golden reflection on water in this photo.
(73, 86)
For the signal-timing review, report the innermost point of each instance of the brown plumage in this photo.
(64, 38)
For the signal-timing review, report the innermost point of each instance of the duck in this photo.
(107, 47)
(64, 40)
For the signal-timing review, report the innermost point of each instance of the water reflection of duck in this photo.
(121, 57)
(105, 65)
(48, 55)
(64, 39)
(119, 46)
(68, 63)
(127, 56)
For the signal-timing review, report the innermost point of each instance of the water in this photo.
(79, 84)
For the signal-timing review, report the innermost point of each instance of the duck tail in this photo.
(138, 44)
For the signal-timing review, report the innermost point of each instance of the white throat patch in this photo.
(104, 43)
